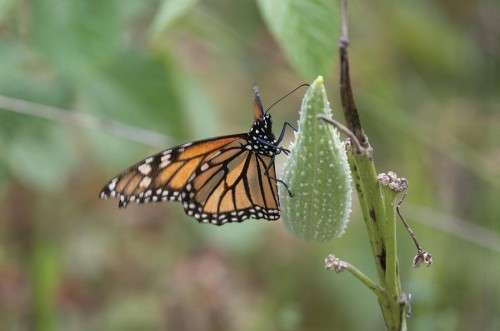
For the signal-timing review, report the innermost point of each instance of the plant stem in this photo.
(365, 280)
(334, 263)
(364, 175)
(392, 278)
(377, 202)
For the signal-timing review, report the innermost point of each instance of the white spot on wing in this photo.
(145, 182)
(112, 185)
(164, 164)
(144, 168)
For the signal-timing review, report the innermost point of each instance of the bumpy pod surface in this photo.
(317, 174)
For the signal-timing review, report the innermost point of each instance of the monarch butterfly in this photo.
(219, 180)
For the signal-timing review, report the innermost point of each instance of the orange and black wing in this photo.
(164, 176)
(231, 187)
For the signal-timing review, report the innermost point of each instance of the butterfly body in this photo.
(261, 138)
(219, 180)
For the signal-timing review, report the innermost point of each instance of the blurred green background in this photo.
(427, 80)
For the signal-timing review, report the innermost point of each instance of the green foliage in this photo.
(426, 77)
(87, 67)
(5, 8)
(317, 173)
(169, 12)
(41, 160)
(306, 30)
(75, 36)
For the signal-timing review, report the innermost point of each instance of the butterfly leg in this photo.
(275, 146)
(282, 133)
(266, 173)
(282, 183)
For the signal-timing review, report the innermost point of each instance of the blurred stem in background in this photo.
(44, 281)
(35, 243)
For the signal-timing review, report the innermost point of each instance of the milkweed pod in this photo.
(317, 174)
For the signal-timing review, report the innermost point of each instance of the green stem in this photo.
(364, 175)
(371, 200)
(392, 278)
(376, 206)
(375, 288)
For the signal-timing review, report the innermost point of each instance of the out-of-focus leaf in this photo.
(203, 120)
(138, 89)
(76, 35)
(5, 8)
(41, 160)
(151, 93)
(169, 12)
(306, 30)
(433, 46)
(24, 75)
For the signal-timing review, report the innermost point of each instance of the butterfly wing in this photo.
(164, 176)
(232, 186)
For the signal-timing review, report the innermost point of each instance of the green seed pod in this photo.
(317, 174)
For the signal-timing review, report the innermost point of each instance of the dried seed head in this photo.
(422, 257)
(393, 182)
(334, 263)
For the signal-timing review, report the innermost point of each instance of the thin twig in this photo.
(365, 280)
(460, 228)
(406, 225)
(84, 120)
(422, 257)
(334, 263)
(347, 132)
(399, 187)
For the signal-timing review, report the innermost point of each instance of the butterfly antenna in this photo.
(286, 95)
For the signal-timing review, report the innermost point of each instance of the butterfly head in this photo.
(263, 122)
(261, 138)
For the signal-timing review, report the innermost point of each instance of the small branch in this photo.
(334, 263)
(406, 225)
(359, 148)
(400, 186)
(344, 130)
(422, 257)
(84, 120)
